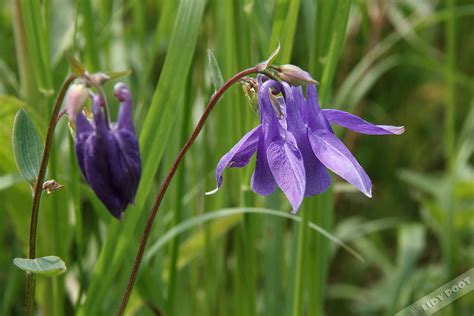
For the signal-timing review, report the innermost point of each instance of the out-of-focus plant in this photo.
(384, 60)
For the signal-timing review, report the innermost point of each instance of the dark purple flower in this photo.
(279, 161)
(109, 157)
(294, 151)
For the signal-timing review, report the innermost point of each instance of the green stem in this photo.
(324, 213)
(178, 208)
(450, 36)
(74, 200)
(450, 135)
(57, 296)
(28, 84)
(30, 281)
(323, 207)
(300, 265)
(335, 49)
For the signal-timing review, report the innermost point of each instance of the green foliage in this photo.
(235, 253)
(27, 146)
(214, 70)
(48, 266)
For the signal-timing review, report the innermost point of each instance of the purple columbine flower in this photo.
(109, 156)
(293, 152)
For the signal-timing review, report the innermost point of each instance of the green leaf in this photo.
(335, 49)
(216, 74)
(118, 74)
(229, 212)
(48, 266)
(76, 67)
(27, 146)
(264, 65)
(8, 180)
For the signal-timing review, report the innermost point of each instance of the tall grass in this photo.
(236, 253)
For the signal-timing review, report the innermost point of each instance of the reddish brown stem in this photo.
(30, 281)
(141, 249)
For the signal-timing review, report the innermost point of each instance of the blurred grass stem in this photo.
(450, 134)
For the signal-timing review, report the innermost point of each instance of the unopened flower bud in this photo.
(76, 99)
(294, 75)
(109, 156)
(98, 78)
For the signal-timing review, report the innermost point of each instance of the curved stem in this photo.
(210, 106)
(30, 281)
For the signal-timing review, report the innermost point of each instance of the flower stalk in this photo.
(38, 190)
(141, 249)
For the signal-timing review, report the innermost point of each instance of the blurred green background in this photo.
(398, 62)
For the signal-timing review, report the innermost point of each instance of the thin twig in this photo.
(210, 106)
(30, 281)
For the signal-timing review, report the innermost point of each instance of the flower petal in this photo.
(317, 177)
(84, 130)
(83, 126)
(359, 125)
(124, 163)
(100, 123)
(286, 165)
(316, 119)
(239, 156)
(293, 100)
(300, 103)
(99, 176)
(263, 182)
(336, 157)
(268, 119)
(125, 119)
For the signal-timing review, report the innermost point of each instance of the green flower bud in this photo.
(294, 75)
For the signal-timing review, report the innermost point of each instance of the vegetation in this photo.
(404, 62)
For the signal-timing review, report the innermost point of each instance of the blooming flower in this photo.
(109, 157)
(293, 152)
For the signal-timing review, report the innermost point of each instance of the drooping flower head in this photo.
(295, 144)
(108, 154)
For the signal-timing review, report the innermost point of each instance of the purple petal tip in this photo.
(121, 91)
(396, 130)
(369, 193)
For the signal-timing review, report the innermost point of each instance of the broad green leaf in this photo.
(9, 106)
(48, 266)
(216, 74)
(27, 146)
